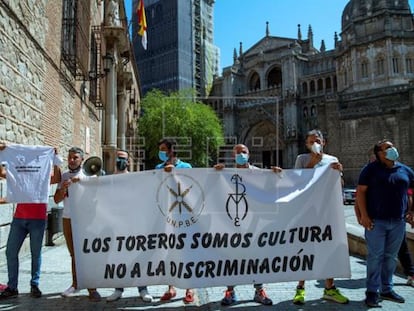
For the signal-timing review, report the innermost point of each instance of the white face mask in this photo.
(316, 148)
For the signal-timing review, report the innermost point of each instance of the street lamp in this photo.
(108, 60)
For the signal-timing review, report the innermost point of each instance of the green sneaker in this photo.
(334, 295)
(299, 298)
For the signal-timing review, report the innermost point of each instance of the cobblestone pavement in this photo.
(56, 278)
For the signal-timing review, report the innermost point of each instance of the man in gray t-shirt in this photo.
(317, 158)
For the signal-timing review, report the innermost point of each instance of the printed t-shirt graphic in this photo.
(28, 172)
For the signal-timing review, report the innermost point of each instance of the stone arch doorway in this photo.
(264, 144)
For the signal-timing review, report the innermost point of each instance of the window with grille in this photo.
(75, 36)
(94, 70)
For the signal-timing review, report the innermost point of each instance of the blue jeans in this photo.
(19, 229)
(383, 243)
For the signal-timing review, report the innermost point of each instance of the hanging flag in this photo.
(142, 22)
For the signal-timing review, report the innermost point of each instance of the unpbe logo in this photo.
(180, 199)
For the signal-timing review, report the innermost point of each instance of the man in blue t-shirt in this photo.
(382, 200)
(168, 156)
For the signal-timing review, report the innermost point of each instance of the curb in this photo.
(357, 245)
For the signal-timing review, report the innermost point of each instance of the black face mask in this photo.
(121, 164)
(75, 170)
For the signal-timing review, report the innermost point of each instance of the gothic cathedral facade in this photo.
(357, 93)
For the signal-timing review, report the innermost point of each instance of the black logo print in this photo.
(237, 203)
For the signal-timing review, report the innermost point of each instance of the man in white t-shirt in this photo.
(73, 174)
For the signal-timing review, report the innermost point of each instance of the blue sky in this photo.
(244, 21)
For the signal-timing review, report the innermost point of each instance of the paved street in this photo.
(56, 277)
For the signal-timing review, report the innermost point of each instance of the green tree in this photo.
(192, 124)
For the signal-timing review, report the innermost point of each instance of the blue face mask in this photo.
(163, 155)
(242, 158)
(391, 154)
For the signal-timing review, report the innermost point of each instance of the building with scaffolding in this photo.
(180, 53)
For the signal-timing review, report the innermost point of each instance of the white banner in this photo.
(201, 227)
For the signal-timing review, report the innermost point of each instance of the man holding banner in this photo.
(122, 162)
(241, 156)
(168, 155)
(73, 174)
(317, 158)
(201, 227)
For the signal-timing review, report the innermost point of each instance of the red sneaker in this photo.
(189, 296)
(168, 295)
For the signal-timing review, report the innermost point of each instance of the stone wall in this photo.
(358, 122)
(40, 104)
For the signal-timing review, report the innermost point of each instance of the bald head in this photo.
(241, 156)
(240, 148)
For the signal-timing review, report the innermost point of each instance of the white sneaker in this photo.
(115, 295)
(410, 281)
(69, 292)
(145, 296)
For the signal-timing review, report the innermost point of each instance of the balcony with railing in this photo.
(115, 29)
(271, 91)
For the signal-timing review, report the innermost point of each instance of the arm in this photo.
(361, 201)
(410, 210)
(2, 175)
(410, 202)
(2, 171)
(2, 167)
(357, 211)
(56, 176)
(61, 192)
